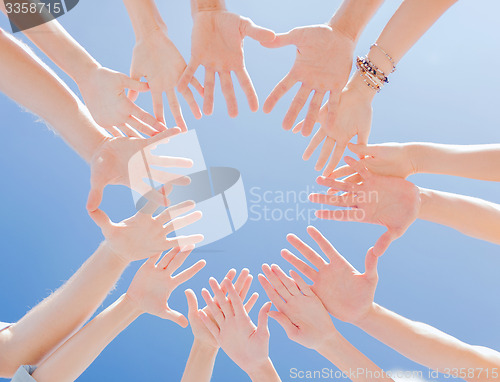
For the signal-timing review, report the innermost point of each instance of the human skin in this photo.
(200, 364)
(103, 90)
(217, 44)
(53, 321)
(156, 58)
(26, 80)
(148, 293)
(323, 62)
(396, 203)
(307, 322)
(349, 296)
(354, 114)
(246, 344)
(404, 159)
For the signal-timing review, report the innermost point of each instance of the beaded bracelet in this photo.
(386, 55)
(371, 75)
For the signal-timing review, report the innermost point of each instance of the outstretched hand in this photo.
(153, 283)
(217, 44)
(376, 199)
(127, 161)
(346, 293)
(104, 94)
(156, 58)
(323, 63)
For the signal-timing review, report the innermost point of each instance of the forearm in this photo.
(200, 364)
(264, 373)
(25, 79)
(427, 345)
(412, 19)
(145, 17)
(73, 358)
(469, 161)
(50, 323)
(471, 216)
(207, 5)
(353, 16)
(354, 364)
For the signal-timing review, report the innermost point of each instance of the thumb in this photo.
(100, 218)
(95, 196)
(176, 317)
(383, 243)
(281, 40)
(258, 33)
(135, 85)
(263, 317)
(192, 301)
(359, 149)
(371, 262)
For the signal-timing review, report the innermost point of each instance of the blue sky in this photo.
(445, 90)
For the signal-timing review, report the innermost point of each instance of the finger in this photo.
(333, 107)
(309, 253)
(302, 285)
(183, 221)
(133, 84)
(281, 40)
(193, 105)
(192, 301)
(276, 283)
(271, 292)
(356, 178)
(327, 248)
(162, 136)
(95, 194)
(187, 76)
(196, 84)
(338, 184)
(176, 110)
(208, 101)
(148, 118)
(256, 32)
(346, 200)
(230, 276)
(263, 318)
(157, 197)
(178, 259)
(235, 299)
(100, 218)
(279, 91)
(168, 257)
(313, 112)
(298, 127)
(183, 241)
(371, 263)
(383, 243)
(214, 311)
(169, 178)
(362, 150)
(176, 317)
(314, 143)
(157, 96)
(341, 172)
(190, 272)
(325, 152)
(141, 126)
(336, 156)
(251, 302)
(129, 131)
(248, 88)
(352, 215)
(228, 91)
(358, 167)
(298, 103)
(284, 321)
(175, 211)
(115, 131)
(211, 326)
(246, 287)
(240, 281)
(135, 75)
(220, 298)
(285, 280)
(309, 272)
(168, 161)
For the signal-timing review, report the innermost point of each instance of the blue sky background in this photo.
(445, 90)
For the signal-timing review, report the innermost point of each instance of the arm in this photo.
(307, 322)
(431, 347)
(471, 216)
(349, 296)
(148, 293)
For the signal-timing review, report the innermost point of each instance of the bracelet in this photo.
(371, 75)
(386, 55)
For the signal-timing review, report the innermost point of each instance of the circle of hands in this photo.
(373, 188)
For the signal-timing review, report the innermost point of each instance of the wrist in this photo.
(344, 28)
(425, 202)
(262, 371)
(131, 306)
(117, 258)
(413, 152)
(85, 71)
(358, 85)
(372, 311)
(205, 347)
(331, 341)
(207, 5)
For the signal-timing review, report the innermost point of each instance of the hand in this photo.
(153, 283)
(103, 91)
(217, 44)
(145, 235)
(200, 331)
(390, 159)
(323, 63)
(157, 59)
(376, 199)
(354, 117)
(347, 294)
(246, 344)
(300, 312)
(122, 161)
